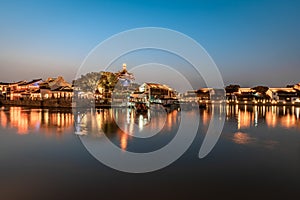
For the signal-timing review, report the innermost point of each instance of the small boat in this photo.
(171, 104)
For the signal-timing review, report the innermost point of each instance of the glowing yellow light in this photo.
(124, 139)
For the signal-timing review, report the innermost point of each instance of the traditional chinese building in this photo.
(155, 93)
(284, 95)
(56, 88)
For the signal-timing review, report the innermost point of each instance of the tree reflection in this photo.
(125, 124)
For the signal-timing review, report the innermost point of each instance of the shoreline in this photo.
(52, 104)
(67, 104)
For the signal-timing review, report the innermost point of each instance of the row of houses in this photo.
(36, 89)
(56, 88)
(267, 95)
(236, 94)
(203, 95)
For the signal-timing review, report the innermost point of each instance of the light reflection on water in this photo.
(247, 116)
(258, 151)
(125, 123)
(251, 121)
(27, 121)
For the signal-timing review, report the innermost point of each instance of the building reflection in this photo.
(287, 117)
(27, 121)
(249, 117)
(272, 116)
(125, 124)
(124, 141)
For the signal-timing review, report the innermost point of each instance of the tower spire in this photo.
(124, 67)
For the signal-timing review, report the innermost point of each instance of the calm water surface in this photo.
(257, 156)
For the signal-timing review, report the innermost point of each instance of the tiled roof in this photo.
(63, 88)
(30, 82)
(159, 86)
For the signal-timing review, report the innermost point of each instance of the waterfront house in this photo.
(31, 85)
(3, 88)
(56, 88)
(247, 95)
(263, 94)
(65, 92)
(6, 89)
(155, 92)
(190, 96)
(22, 89)
(284, 95)
(37, 89)
(204, 95)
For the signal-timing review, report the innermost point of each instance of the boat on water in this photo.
(170, 103)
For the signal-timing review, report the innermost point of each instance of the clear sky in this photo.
(252, 42)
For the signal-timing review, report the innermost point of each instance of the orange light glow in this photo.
(244, 119)
(27, 121)
(124, 139)
(3, 119)
(242, 138)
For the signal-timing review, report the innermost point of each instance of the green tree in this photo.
(261, 89)
(107, 81)
(232, 88)
(88, 82)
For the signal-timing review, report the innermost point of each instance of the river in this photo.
(41, 157)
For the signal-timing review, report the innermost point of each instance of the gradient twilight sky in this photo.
(252, 42)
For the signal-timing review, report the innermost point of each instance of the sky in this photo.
(251, 42)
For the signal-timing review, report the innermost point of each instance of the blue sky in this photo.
(252, 42)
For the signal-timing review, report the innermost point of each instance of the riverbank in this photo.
(296, 104)
(56, 103)
(68, 103)
(49, 103)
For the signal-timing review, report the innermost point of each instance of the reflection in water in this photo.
(242, 138)
(273, 116)
(288, 117)
(36, 120)
(124, 138)
(248, 117)
(124, 124)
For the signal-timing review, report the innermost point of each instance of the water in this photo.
(257, 155)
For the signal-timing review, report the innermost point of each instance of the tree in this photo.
(261, 92)
(232, 88)
(261, 89)
(107, 81)
(88, 82)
